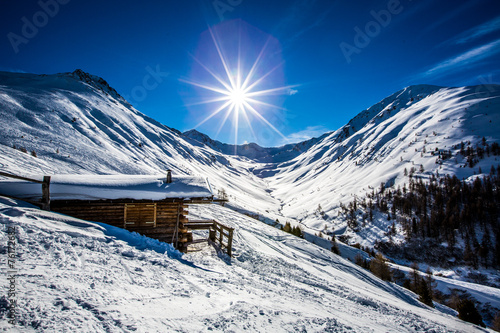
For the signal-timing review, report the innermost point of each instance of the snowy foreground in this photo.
(81, 276)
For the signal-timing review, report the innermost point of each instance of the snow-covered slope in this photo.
(405, 130)
(75, 123)
(80, 276)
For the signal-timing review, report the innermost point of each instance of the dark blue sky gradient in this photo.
(448, 43)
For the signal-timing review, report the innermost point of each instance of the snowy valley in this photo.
(88, 276)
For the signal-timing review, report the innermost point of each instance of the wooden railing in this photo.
(45, 202)
(223, 231)
(218, 233)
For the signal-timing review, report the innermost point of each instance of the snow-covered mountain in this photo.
(404, 131)
(253, 151)
(75, 123)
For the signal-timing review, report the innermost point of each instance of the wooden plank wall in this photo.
(157, 220)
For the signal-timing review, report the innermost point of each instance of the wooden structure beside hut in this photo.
(154, 206)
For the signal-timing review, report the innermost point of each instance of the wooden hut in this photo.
(155, 206)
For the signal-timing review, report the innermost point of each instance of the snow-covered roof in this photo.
(112, 187)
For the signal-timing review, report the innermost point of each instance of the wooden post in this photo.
(125, 216)
(169, 176)
(176, 231)
(230, 242)
(46, 193)
(211, 235)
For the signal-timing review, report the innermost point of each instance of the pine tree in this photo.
(496, 322)
(468, 254)
(414, 277)
(467, 311)
(320, 210)
(361, 261)
(222, 195)
(485, 247)
(431, 283)
(335, 246)
(297, 231)
(352, 221)
(380, 268)
(424, 293)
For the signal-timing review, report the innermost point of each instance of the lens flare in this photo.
(237, 90)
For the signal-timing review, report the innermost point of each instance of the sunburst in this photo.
(237, 92)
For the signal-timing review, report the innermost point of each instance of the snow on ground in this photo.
(75, 275)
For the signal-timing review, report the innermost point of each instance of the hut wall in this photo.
(153, 219)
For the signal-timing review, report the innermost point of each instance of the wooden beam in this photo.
(21, 178)
(199, 226)
(125, 216)
(158, 230)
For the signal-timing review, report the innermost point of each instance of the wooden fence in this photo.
(218, 233)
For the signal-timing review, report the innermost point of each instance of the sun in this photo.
(238, 97)
(236, 91)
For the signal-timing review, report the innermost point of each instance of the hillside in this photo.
(404, 131)
(83, 276)
(75, 123)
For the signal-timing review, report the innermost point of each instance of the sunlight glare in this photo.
(238, 90)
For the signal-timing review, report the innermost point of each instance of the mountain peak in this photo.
(95, 81)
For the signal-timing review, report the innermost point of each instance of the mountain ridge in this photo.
(253, 150)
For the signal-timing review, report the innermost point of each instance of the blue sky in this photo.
(333, 58)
